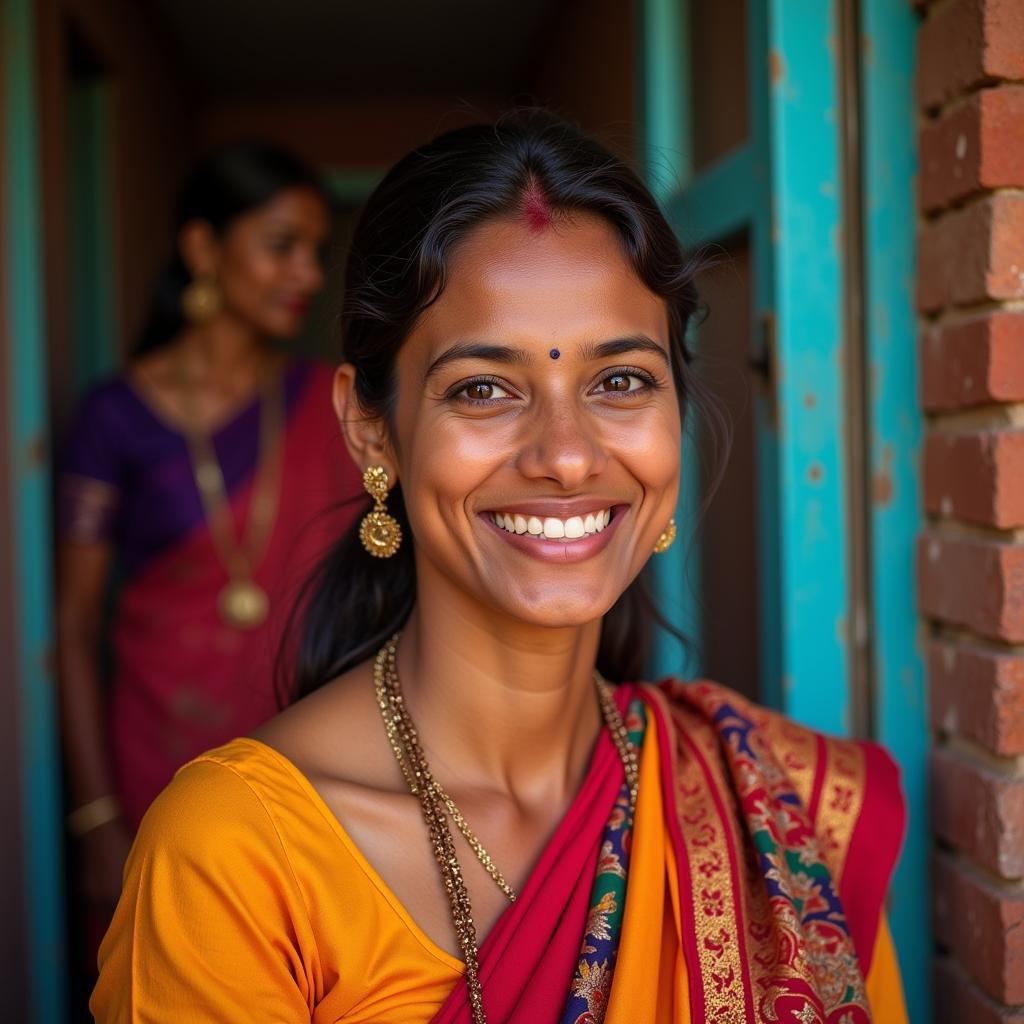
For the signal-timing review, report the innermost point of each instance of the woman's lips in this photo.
(567, 549)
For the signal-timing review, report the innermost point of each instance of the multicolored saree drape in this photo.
(184, 680)
(747, 887)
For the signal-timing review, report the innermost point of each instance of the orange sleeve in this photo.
(883, 983)
(211, 925)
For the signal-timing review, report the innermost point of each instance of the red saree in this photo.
(758, 865)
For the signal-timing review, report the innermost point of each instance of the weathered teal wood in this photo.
(901, 722)
(804, 155)
(763, 320)
(667, 120)
(719, 201)
(25, 406)
(93, 305)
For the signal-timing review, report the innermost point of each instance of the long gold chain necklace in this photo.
(436, 804)
(242, 602)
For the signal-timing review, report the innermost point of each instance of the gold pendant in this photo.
(243, 604)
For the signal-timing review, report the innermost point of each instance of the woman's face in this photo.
(537, 426)
(269, 262)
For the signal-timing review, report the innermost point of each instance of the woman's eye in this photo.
(482, 391)
(280, 245)
(621, 383)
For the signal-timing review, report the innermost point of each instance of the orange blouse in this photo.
(245, 900)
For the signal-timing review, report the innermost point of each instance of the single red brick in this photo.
(980, 923)
(973, 253)
(973, 362)
(960, 1001)
(976, 146)
(977, 477)
(971, 582)
(978, 693)
(979, 811)
(966, 43)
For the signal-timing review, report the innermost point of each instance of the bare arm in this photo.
(83, 572)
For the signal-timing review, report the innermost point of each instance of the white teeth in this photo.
(554, 529)
(574, 527)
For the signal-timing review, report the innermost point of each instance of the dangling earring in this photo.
(380, 533)
(200, 301)
(668, 535)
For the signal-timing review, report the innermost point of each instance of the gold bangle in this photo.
(84, 819)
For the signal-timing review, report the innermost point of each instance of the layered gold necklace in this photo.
(242, 603)
(437, 806)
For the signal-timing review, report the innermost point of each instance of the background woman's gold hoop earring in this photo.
(668, 535)
(201, 301)
(380, 533)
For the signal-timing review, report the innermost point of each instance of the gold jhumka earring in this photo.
(668, 535)
(200, 301)
(380, 532)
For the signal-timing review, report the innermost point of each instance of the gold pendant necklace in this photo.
(434, 802)
(242, 603)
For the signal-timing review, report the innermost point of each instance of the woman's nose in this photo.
(562, 446)
(309, 271)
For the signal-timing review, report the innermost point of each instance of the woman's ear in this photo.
(366, 437)
(200, 251)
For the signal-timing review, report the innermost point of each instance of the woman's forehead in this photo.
(571, 278)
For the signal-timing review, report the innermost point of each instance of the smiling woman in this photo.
(462, 818)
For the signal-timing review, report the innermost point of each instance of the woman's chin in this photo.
(557, 609)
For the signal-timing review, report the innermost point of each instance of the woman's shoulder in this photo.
(106, 398)
(238, 798)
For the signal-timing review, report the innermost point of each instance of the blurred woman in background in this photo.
(211, 475)
(475, 813)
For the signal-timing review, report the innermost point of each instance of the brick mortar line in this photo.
(970, 642)
(991, 416)
(964, 312)
(932, 115)
(965, 979)
(958, 529)
(979, 873)
(928, 218)
(969, 751)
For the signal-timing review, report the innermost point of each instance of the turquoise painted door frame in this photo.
(25, 407)
(784, 188)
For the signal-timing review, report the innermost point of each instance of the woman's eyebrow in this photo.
(518, 356)
(478, 350)
(621, 346)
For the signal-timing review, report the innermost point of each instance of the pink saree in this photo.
(184, 681)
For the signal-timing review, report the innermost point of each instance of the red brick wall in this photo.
(970, 293)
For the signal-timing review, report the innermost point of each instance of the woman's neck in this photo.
(224, 350)
(499, 705)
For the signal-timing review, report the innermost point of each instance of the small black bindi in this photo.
(554, 353)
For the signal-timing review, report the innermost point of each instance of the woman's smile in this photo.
(557, 538)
